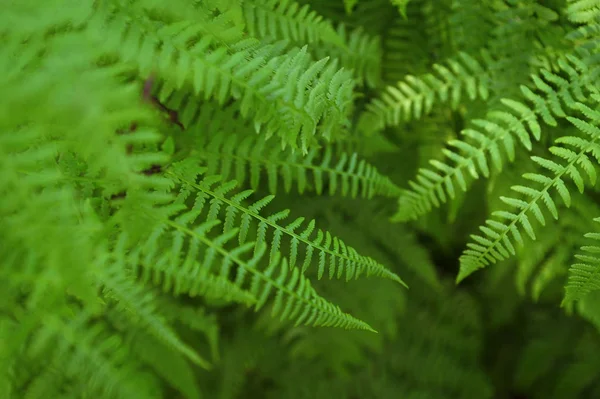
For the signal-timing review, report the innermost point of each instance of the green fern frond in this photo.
(168, 364)
(358, 52)
(288, 20)
(235, 157)
(583, 11)
(195, 318)
(177, 243)
(471, 23)
(138, 303)
(95, 361)
(541, 263)
(497, 240)
(167, 271)
(434, 186)
(584, 277)
(289, 95)
(415, 96)
(331, 252)
(404, 49)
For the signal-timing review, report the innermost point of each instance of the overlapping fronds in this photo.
(288, 95)
(415, 96)
(177, 243)
(325, 170)
(578, 155)
(305, 241)
(495, 139)
(584, 276)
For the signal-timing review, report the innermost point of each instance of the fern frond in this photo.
(497, 240)
(331, 252)
(289, 95)
(434, 186)
(358, 52)
(138, 303)
(584, 276)
(415, 96)
(245, 158)
(178, 244)
(543, 262)
(583, 11)
(196, 319)
(471, 23)
(288, 20)
(168, 364)
(96, 362)
(404, 50)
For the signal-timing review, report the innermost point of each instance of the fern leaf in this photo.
(415, 96)
(358, 52)
(97, 362)
(469, 157)
(288, 20)
(169, 364)
(495, 137)
(497, 240)
(237, 157)
(177, 243)
(138, 303)
(583, 11)
(289, 95)
(584, 276)
(331, 252)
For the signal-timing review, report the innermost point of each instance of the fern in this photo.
(415, 96)
(583, 11)
(497, 242)
(583, 276)
(239, 156)
(434, 187)
(332, 252)
(177, 179)
(218, 74)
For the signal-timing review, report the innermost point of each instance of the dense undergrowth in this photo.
(294, 199)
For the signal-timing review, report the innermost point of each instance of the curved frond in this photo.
(323, 170)
(289, 95)
(491, 142)
(415, 96)
(584, 276)
(177, 243)
(304, 239)
(498, 238)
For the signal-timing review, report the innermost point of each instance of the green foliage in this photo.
(230, 198)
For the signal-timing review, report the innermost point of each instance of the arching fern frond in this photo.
(496, 135)
(179, 243)
(138, 304)
(467, 160)
(584, 276)
(415, 96)
(360, 53)
(288, 95)
(541, 265)
(331, 252)
(322, 170)
(288, 20)
(92, 360)
(498, 238)
(583, 11)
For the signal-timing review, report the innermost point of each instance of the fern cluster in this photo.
(188, 189)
